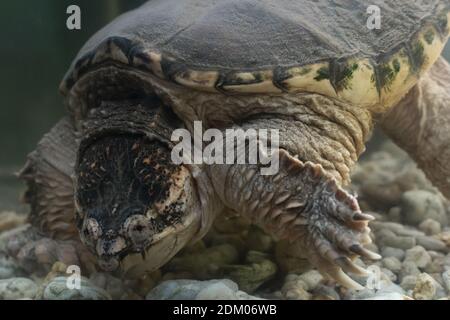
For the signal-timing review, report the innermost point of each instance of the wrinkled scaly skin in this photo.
(420, 124)
(320, 140)
(51, 235)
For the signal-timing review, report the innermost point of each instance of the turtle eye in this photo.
(138, 229)
(91, 231)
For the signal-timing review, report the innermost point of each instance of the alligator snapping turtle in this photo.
(311, 69)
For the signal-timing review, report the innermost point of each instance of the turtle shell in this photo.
(275, 46)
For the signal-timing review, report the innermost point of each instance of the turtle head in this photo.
(135, 207)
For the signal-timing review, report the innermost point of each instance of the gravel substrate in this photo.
(239, 261)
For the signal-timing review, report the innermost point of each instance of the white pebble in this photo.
(430, 226)
(419, 256)
(425, 288)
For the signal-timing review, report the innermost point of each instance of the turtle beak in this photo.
(108, 251)
(109, 264)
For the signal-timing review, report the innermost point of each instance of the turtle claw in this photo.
(358, 216)
(343, 279)
(336, 232)
(348, 266)
(363, 252)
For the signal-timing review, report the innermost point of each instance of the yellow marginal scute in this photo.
(432, 45)
(154, 65)
(393, 89)
(201, 80)
(361, 88)
(249, 82)
(307, 80)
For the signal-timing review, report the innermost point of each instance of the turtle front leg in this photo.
(51, 234)
(304, 201)
(305, 205)
(420, 124)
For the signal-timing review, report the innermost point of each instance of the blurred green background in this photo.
(36, 49)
